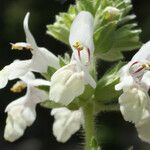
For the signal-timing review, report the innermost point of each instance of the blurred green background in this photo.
(115, 133)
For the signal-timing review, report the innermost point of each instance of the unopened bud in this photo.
(111, 12)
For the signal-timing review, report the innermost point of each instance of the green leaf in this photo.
(88, 92)
(104, 37)
(105, 90)
(125, 38)
(87, 5)
(111, 56)
(83, 99)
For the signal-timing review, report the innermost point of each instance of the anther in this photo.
(78, 45)
(18, 87)
(21, 46)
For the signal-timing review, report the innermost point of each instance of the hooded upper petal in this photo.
(143, 54)
(81, 37)
(29, 37)
(42, 58)
(82, 30)
(66, 123)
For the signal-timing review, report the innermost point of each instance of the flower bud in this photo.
(111, 13)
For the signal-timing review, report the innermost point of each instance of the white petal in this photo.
(132, 104)
(17, 102)
(58, 89)
(89, 79)
(18, 68)
(15, 70)
(29, 79)
(12, 131)
(66, 123)
(126, 80)
(29, 37)
(29, 115)
(42, 58)
(82, 30)
(39, 82)
(125, 84)
(35, 95)
(66, 85)
(143, 127)
(146, 79)
(4, 74)
(143, 54)
(17, 122)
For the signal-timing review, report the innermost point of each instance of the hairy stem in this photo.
(88, 124)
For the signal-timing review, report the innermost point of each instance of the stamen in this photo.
(21, 46)
(146, 66)
(137, 70)
(78, 45)
(88, 50)
(18, 87)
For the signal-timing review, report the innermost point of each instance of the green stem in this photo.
(88, 124)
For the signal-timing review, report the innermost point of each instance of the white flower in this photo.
(81, 37)
(41, 59)
(69, 81)
(66, 123)
(135, 82)
(21, 112)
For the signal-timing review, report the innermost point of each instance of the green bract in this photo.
(105, 91)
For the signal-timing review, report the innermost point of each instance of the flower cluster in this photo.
(135, 82)
(67, 83)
